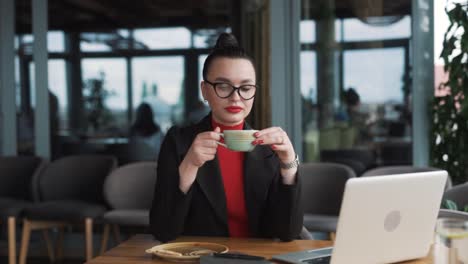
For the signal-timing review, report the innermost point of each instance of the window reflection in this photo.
(94, 42)
(307, 31)
(159, 82)
(357, 96)
(377, 74)
(206, 38)
(377, 77)
(58, 88)
(309, 104)
(107, 79)
(55, 41)
(164, 38)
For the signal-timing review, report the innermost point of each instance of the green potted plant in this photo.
(449, 148)
(449, 204)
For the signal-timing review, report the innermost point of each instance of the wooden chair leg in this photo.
(25, 241)
(59, 250)
(50, 247)
(116, 231)
(11, 240)
(89, 238)
(105, 238)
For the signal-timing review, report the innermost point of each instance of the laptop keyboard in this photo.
(322, 260)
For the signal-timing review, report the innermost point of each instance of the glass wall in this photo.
(355, 82)
(355, 73)
(98, 78)
(105, 85)
(159, 82)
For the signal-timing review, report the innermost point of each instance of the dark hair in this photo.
(144, 124)
(227, 47)
(351, 97)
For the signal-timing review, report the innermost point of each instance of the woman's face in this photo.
(235, 71)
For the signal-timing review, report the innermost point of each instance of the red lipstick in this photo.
(233, 109)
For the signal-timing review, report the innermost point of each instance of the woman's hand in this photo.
(203, 149)
(279, 142)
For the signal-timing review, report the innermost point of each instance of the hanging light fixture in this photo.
(372, 12)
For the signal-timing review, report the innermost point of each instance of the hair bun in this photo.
(226, 40)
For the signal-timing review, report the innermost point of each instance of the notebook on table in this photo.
(383, 219)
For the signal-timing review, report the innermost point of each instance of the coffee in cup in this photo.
(238, 140)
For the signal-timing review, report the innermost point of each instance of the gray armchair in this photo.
(70, 191)
(129, 192)
(458, 194)
(359, 160)
(322, 192)
(17, 191)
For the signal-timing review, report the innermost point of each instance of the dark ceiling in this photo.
(108, 15)
(105, 15)
(357, 8)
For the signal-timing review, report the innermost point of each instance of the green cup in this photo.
(238, 140)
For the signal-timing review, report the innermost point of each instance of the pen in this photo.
(237, 256)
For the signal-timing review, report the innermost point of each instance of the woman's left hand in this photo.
(279, 142)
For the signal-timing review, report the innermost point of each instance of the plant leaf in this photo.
(449, 204)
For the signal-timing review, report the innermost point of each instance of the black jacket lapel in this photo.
(210, 180)
(257, 182)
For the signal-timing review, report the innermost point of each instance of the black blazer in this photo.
(274, 209)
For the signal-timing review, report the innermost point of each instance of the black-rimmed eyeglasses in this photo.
(225, 90)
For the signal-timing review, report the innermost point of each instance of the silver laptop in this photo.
(383, 219)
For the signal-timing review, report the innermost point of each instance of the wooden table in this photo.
(132, 251)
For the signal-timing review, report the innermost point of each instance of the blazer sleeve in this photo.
(283, 217)
(170, 205)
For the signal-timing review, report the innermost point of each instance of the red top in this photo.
(231, 164)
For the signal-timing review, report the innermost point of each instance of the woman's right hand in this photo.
(203, 149)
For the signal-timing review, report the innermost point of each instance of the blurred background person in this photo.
(145, 131)
(354, 115)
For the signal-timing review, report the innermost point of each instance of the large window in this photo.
(159, 81)
(105, 80)
(58, 90)
(355, 81)
(376, 74)
(120, 69)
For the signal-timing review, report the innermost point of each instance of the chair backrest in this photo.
(131, 186)
(396, 153)
(359, 160)
(133, 151)
(17, 176)
(458, 194)
(76, 178)
(447, 213)
(323, 186)
(389, 170)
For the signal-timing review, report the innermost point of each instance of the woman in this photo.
(207, 190)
